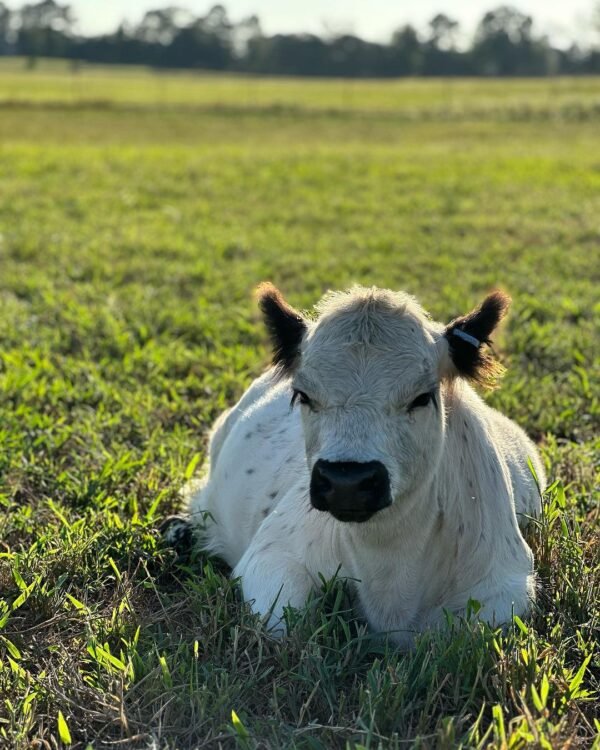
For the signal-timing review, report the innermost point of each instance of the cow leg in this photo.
(501, 600)
(500, 609)
(271, 580)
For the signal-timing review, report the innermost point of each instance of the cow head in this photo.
(370, 377)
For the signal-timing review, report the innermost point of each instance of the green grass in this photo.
(58, 82)
(131, 237)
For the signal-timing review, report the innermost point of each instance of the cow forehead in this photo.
(380, 348)
(371, 322)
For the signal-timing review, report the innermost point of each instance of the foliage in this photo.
(131, 239)
(504, 45)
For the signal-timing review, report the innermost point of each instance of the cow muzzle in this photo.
(349, 490)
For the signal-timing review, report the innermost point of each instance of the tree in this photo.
(47, 14)
(244, 33)
(443, 32)
(160, 26)
(504, 44)
(406, 54)
(44, 28)
(505, 21)
(5, 29)
(217, 23)
(440, 56)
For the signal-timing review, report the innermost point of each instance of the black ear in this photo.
(468, 336)
(285, 325)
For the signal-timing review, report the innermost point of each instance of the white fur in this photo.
(459, 477)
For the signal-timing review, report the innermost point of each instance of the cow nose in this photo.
(349, 490)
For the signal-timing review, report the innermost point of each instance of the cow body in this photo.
(459, 482)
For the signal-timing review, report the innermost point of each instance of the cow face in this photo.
(368, 377)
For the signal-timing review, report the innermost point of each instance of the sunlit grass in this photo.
(130, 242)
(75, 84)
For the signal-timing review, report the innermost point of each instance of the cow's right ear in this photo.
(285, 325)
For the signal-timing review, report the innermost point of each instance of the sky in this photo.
(372, 19)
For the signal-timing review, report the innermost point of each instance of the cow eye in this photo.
(301, 397)
(421, 400)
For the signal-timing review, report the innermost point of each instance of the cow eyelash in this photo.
(301, 397)
(422, 400)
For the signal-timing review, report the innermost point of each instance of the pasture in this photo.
(137, 214)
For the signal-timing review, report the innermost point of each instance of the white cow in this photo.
(365, 452)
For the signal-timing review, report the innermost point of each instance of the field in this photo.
(137, 214)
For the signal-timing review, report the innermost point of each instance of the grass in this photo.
(60, 82)
(131, 237)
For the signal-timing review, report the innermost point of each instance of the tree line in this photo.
(504, 44)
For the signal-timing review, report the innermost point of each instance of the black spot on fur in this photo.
(461, 529)
(178, 533)
(273, 495)
(249, 471)
(285, 325)
(266, 511)
(472, 361)
(248, 435)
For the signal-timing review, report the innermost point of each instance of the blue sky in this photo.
(372, 19)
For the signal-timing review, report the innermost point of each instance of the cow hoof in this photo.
(177, 533)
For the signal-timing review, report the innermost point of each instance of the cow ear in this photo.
(469, 336)
(285, 325)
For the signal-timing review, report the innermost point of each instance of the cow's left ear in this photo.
(469, 336)
(285, 325)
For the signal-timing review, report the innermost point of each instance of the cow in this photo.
(364, 451)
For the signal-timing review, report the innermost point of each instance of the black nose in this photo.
(349, 490)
